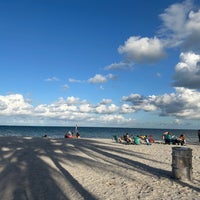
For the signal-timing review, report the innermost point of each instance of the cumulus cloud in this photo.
(14, 104)
(107, 109)
(70, 109)
(142, 50)
(181, 26)
(139, 102)
(193, 29)
(184, 103)
(187, 71)
(72, 100)
(98, 78)
(74, 109)
(106, 101)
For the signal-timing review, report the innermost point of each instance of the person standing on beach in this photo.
(77, 135)
(199, 135)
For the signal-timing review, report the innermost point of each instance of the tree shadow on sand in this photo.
(140, 167)
(24, 175)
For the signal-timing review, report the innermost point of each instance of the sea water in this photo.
(93, 132)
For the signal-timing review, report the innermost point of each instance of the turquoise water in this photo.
(91, 132)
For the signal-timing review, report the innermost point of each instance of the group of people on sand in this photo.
(70, 134)
(144, 139)
(169, 138)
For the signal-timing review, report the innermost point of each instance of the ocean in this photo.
(93, 132)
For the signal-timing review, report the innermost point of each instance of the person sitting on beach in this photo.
(167, 138)
(146, 139)
(182, 139)
(150, 138)
(120, 139)
(142, 139)
(137, 139)
(127, 138)
(68, 135)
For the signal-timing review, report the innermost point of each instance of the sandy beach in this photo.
(56, 169)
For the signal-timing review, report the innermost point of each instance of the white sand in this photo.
(55, 169)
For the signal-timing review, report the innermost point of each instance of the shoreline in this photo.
(87, 168)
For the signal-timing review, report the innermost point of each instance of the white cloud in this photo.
(138, 102)
(120, 66)
(187, 71)
(126, 108)
(107, 109)
(86, 108)
(143, 50)
(52, 79)
(71, 80)
(185, 103)
(98, 78)
(182, 104)
(115, 119)
(69, 109)
(106, 101)
(111, 76)
(181, 26)
(174, 17)
(14, 104)
(193, 21)
(193, 29)
(72, 100)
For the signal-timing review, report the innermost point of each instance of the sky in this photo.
(105, 63)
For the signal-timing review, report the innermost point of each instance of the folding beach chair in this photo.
(115, 137)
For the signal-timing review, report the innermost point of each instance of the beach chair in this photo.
(115, 137)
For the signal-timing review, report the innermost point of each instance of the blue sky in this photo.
(119, 63)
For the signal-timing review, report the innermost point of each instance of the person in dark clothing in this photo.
(127, 138)
(199, 135)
